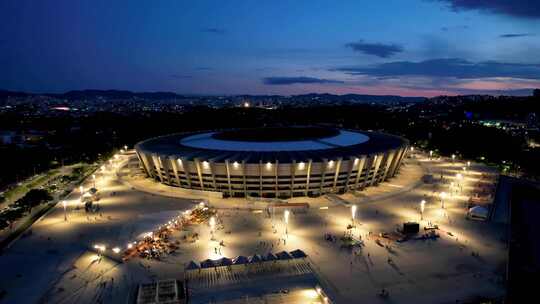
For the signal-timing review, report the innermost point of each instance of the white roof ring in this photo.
(207, 141)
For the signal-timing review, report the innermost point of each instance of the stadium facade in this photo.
(273, 162)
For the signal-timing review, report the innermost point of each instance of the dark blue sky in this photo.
(406, 47)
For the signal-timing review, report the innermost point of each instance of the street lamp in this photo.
(94, 179)
(430, 154)
(212, 226)
(459, 177)
(422, 205)
(443, 196)
(125, 148)
(64, 203)
(468, 164)
(453, 157)
(286, 217)
(353, 213)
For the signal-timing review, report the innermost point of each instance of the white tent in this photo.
(478, 212)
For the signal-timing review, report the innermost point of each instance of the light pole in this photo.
(459, 177)
(64, 203)
(430, 154)
(453, 157)
(94, 179)
(422, 205)
(212, 226)
(468, 164)
(273, 214)
(353, 214)
(286, 217)
(443, 196)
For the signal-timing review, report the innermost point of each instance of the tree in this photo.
(33, 198)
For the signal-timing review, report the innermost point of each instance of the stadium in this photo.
(273, 162)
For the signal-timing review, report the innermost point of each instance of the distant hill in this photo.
(362, 98)
(306, 99)
(5, 94)
(115, 94)
(121, 94)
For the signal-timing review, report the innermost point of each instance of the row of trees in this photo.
(23, 205)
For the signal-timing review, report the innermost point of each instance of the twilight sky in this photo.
(401, 47)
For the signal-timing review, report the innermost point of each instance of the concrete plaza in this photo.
(56, 262)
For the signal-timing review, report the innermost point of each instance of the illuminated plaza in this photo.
(76, 257)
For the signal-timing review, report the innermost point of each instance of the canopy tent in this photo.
(240, 260)
(478, 212)
(255, 259)
(270, 257)
(192, 265)
(207, 263)
(298, 254)
(225, 261)
(283, 255)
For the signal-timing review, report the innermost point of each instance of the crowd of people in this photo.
(158, 243)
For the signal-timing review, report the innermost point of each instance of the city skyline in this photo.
(407, 48)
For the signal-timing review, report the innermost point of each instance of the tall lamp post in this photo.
(286, 217)
(430, 154)
(81, 189)
(443, 196)
(64, 203)
(353, 214)
(459, 177)
(212, 226)
(422, 206)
